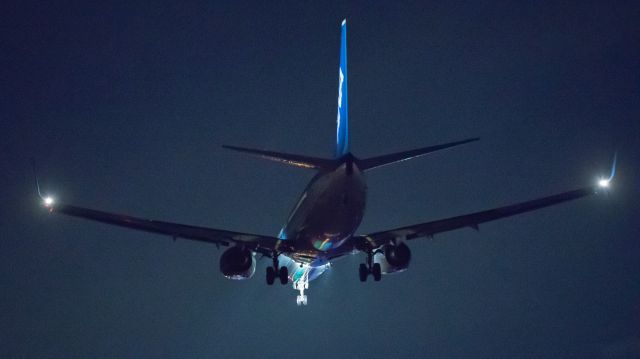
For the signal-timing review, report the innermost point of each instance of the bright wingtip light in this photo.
(48, 201)
(605, 182)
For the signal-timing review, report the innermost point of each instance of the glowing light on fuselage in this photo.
(323, 245)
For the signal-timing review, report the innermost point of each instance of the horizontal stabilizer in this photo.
(286, 158)
(375, 162)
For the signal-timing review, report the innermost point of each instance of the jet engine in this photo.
(237, 263)
(393, 258)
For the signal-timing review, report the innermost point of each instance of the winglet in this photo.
(47, 201)
(613, 165)
(35, 177)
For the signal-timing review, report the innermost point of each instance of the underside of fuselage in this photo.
(328, 212)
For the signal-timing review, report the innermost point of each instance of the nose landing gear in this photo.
(300, 285)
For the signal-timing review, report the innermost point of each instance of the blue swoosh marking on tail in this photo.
(342, 122)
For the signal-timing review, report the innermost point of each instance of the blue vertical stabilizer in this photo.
(342, 123)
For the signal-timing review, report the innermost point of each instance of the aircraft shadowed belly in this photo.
(329, 212)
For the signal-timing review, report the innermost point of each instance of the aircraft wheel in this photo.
(363, 272)
(301, 300)
(284, 275)
(376, 271)
(271, 275)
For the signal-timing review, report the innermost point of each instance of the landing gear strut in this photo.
(370, 268)
(276, 271)
(300, 285)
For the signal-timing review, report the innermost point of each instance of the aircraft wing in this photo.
(473, 220)
(257, 243)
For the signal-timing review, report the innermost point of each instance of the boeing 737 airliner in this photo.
(322, 226)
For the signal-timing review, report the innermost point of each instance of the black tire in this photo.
(376, 271)
(284, 275)
(363, 271)
(271, 275)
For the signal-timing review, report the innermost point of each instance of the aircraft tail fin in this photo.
(379, 161)
(342, 122)
(286, 158)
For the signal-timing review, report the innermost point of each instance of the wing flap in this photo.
(257, 243)
(473, 220)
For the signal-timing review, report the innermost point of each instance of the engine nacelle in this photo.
(394, 258)
(237, 263)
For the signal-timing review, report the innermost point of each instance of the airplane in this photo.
(322, 226)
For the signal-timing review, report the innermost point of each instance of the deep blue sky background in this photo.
(125, 106)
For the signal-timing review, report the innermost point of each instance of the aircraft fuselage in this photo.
(328, 212)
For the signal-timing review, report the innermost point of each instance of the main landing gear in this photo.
(370, 268)
(276, 271)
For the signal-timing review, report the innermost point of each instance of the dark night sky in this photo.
(125, 107)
